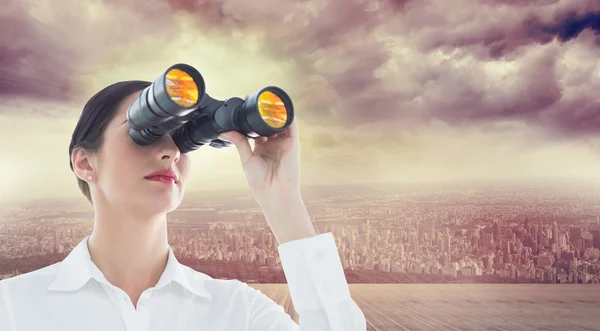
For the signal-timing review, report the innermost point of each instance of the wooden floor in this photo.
(476, 307)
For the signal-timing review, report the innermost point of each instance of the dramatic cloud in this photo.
(34, 61)
(405, 90)
(572, 24)
(354, 61)
(46, 49)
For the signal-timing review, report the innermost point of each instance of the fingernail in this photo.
(223, 137)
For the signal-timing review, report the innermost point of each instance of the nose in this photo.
(167, 149)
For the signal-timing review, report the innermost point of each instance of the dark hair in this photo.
(97, 113)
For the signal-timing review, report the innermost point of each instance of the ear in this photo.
(83, 163)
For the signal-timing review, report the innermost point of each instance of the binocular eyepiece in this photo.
(176, 103)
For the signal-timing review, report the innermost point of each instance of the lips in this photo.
(162, 179)
(163, 175)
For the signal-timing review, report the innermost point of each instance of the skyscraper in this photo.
(401, 251)
(496, 231)
(596, 239)
(506, 252)
(574, 233)
(555, 234)
(417, 248)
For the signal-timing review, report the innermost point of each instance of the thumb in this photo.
(241, 143)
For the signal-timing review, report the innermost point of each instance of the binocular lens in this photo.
(272, 109)
(181, 88)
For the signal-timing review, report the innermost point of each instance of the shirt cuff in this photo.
(314, 272)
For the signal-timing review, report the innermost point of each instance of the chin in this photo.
(165, 206)
(161, 204)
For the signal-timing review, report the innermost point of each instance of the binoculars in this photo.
(176, 103)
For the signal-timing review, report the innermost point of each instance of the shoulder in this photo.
(200, 279)
(221, 288)
(36, 281)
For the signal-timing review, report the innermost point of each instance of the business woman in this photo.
(124, 275)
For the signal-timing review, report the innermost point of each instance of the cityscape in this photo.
(384, 234)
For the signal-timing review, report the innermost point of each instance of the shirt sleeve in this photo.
(318, 288)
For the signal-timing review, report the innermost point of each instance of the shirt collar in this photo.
(78, 268)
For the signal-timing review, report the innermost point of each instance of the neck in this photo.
(131, 250)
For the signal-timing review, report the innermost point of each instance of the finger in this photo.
(241, 143)
(293, 130)
(260, 140)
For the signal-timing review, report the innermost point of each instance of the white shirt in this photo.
(74, 295)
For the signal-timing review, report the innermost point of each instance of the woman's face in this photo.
(122, 165)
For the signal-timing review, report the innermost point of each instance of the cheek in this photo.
(184, 166)
(119, 162)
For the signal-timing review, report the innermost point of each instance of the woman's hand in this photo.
(273, 167)
(273, 172)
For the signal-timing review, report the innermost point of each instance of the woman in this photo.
(124, 276)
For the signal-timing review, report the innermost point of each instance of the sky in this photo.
(384, 91)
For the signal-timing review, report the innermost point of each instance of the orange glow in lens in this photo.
(272, 109)
(181, 88)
